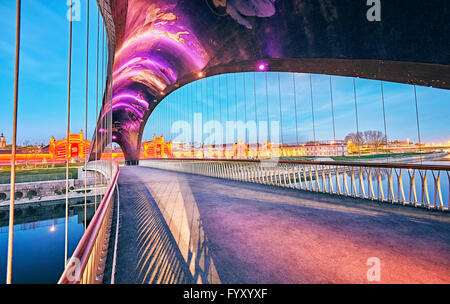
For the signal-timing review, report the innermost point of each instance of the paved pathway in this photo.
(183, 228)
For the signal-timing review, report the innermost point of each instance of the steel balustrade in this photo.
(328, 177)
(88, 260)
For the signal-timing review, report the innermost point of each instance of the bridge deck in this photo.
(183, 228)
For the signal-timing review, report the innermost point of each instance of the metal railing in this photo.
(88, 260)
(374, 181)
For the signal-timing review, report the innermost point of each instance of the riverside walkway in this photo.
(186, 228)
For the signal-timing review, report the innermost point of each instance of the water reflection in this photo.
(39, 240)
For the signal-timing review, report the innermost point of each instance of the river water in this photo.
(39, 241)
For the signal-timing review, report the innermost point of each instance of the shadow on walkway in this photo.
(184, 228)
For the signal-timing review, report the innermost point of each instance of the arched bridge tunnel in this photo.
(158, 46)
(257, 219)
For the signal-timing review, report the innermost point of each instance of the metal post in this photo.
(295, 107)
(281, 114)
(356, 115)
(68, 138)
(418, 125)
(312, 108)
(13, 159)
(86, 121)
(332, 109)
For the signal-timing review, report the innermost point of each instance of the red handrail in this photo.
(86, 244)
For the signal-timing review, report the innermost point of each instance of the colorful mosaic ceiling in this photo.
(160, 45)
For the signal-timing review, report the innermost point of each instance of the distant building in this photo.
(78, 147)
(336, 149)
(2, 142)
(239, 150)
(158, 147)
(313, 149)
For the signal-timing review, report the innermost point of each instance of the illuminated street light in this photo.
(262, 67)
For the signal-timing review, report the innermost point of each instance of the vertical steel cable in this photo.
(164, 110)
(96, 109)
(68, 139)
(163, 121)
(201, 103)
(236, 107)
(185, 109)
(13, 158)
(197, 84)
(102, 137)
(207, 100)
(164, 107)
(192, 113)
(220, 102)
(109, 90)
(281, 114)
(295, 107)
(332, 109)
(86, 118)
(220, 112)
(267, 105)
(312, 109)
(418, 125)
(356, 115)
(178, 105)
(213, 108)
(245, 110)
(384, 116)
(228, 97)
(256, 114)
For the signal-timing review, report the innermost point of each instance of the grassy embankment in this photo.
(29, 175)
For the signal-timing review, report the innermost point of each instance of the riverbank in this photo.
(396, 158)
(73, 196)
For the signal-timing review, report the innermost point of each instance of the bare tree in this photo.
(355, 140)
(374, 139)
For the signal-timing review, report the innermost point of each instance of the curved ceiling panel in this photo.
(160, 45)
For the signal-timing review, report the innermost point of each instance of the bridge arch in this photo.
(159, 46)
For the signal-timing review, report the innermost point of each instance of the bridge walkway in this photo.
(185, 228)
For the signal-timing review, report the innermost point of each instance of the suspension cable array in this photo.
(356, 115)
(103, 123)
(292, 135)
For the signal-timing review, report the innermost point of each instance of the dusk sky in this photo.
(44, 69)
(401, 122)
(43, 88)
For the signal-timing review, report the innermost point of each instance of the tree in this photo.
(374, 139)
(354, 141)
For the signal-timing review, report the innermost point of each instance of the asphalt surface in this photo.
(184, 228)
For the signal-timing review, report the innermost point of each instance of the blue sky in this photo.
(44, 69)
(400, 109)
(43, 88)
